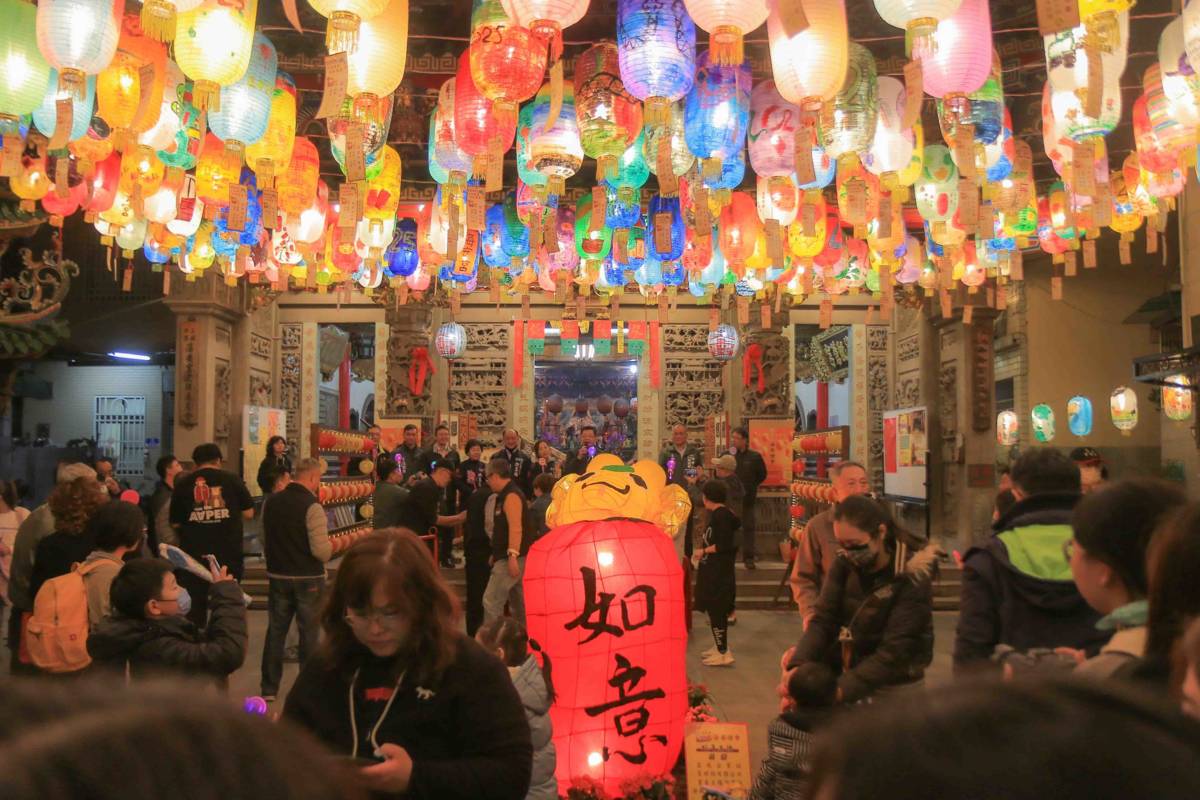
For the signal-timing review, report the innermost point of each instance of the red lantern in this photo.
(476, 122)
(605, 600)
(739, 228)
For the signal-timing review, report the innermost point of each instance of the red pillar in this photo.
(344, 404)
(822, 420)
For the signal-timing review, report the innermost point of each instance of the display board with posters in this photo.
(906, 454)
(718, 760)
(772, 438)
(259, 424)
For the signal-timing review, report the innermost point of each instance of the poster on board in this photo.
(259, 424)
(718, 759)
(905, 453)
(772, 438)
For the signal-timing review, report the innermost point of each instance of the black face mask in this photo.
(860, 556)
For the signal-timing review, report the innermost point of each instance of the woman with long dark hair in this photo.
(273, 464)
(1172, 564)
(544, 462)
(874, 619)
(398, 686)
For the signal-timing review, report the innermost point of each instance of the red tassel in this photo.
(753, 359)
(420, 367)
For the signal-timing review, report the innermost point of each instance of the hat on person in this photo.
(725, 462)
(131, 496)
(1086, 455)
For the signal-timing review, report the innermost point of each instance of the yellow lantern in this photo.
(345, 18)
(383, 191)
(273, 152)
(32, 184)
(376, 66)
(216, 170)
(119, 214)
(141, 174)
(297, 185)
(119, 86)
(1177, 398)
(213, 46)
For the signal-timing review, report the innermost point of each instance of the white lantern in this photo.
(723, 342)
(1123, 406)
(450, 340)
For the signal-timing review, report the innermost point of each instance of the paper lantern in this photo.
(632, 171)
(1123, 408)
(450, 340)
(1177, 398)
(919, 18)
(960, 61)
(215, 172)
(1079, 415)
(119, 86)
(383, 190)
(546, 18)
(681, 157)
(446, 150)
(507, 61)
(1008, 426)
(376, 65)
(937, 190)
(809, 66)
(402, 257)
(141, 173)
(78, 38)
(273, 151)
(45, 116)
(717, 111)
(733, 170)
(739, 228)
(592, 244)
(1191, 32)
(104, 179)
(1180, 83)
(478, 129)
(727, 22)
(1067, 57)
(556, 153)
(245, 106)
(160, 17)
(892, 146)
(723, 342)
(664, 210)
(1042, 416)
(848, 123)
(297, 185)
(656, 45)
(374, 121)
(345, 19)
(609, 117)
(191, 210)
(772, 132)
(213, 46)
(23, 69)
(1170, 132)
(514, 236)
(525, 173)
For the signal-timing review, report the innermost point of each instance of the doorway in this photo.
(346, 395)
(569, 395)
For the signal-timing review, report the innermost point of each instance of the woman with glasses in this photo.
(399, 688)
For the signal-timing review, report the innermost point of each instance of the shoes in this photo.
(719, 660)
(733, 618)
(751, 565)
(709, 653)
(291, 654)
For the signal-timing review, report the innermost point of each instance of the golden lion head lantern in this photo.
(611, 489)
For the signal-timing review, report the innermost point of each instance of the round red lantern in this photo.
(604, 599)
(581, 406)
(554, 403)
(604, 405)
(621, 407)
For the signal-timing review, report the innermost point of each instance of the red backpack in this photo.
(56, 633)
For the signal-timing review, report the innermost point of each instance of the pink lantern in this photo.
(959, 58)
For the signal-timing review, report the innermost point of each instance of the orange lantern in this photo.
(739, 228)
(216, 171)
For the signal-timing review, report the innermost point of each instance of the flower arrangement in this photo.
(648, 787)
(584, 787)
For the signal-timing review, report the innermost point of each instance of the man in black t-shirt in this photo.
(420, 512)
(207, 509)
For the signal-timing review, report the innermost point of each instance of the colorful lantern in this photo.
(717, 112)
(681, 157)
(892, 147)
(78, 38)
(450, 340)
(449, 155)
(402, 256)
(376, 66)
(383, 190)
(1043, 422)
(1177, 398)
(739, 229)
(23, 69)
(656, 45)
(772, 132)
(215, 172)
(213, 47)
(245, 107)
(727, 21)
(1123, 408)
(609, 117)
(1191, 31)
(45, 116)
(556, 153)
(848, 123)
(345, 19)
(810, 65)
(1079, 415)
(273, 151)
(297, 185)
(119, 86)
(919, 18)
(373, 122)
(507, 60)
(478, 129)
(1008, 427)
(592, 242)
(723, 342)
(1180, 83)
(962, 58)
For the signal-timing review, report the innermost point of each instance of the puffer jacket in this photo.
(531, 686)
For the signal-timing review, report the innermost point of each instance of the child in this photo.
(812, 688)
(508, 639)
(716, 587)
(149, 629)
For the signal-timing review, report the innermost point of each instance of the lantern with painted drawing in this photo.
(508, 61)
(1079, 415)
(937, 189)
(1008, 427)
(345, 20)
(809, 66)
(119, 86)
(78, 38)
(847, 125)
(1180, 82)
(272, 153)
(215, 171)
(806, 246)
(24, 69)
(383, 190)
(297, 184)
(717, 110)
(45, 116)
(456, 161)
(632, 174)
(723, 342)
(727, 22)
(656, 46)
(245, 106)
(213, 46)
(546, 20)
(1123, 408)
(772, 133)
(1178, 398)
(609, 117)
(673, 129)
(739, 228)
(1067, 54)
(556, 152)
(1042, 417)
(892, 146)
(450, 340)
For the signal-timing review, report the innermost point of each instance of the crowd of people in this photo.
(1079, 630)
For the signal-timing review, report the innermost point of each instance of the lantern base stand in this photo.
(656, 111)
(158, 20)
(725, 45)
(72, 83)
(341, 34)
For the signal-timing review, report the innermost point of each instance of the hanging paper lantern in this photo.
(1043, 422)
(1079, 415)
(665, 209)
(446, 150)
(478, 129)
(556, 153)
(1180, 83)
(119, 86)
(546, 18)
(23, 69)
(892, 147)
(273, 151)
(632, 171)
(919, 18)
(717, 112)
(656, 45)
(402, 256)
(213, 46)
(809, 66)
(727, 22)
(959, 62)
(345, 19)
(45, 116)
(383, 190)
(374, 122)
(777, 199)
(245, 106)
(848, 123)
(739, 228)
(451, 340)
(593, 244)
(376, 66)
(1177, 398)
(78, 38)
(1123, 407)
(937, 190)
(160, 17)
(1067, 55)
(681, 157)
(609, 117)
(215, 171)
(1008, 426)
(772, 132)
(723, 342)
(507, 61)
(297, 185)
(733, 170)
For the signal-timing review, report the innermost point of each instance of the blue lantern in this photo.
(717, 113)
(1079, 415)
(666, 206)
(621, 213)
(514, 236)
(401, 255)
(492, 239)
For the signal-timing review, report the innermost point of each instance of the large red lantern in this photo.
(605, 600)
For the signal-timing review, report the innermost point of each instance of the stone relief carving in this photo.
(908, 389)
(409, 327)
(290, 373)
(878, 396)
(487, 407)
(775, 399)
(290, 335)
(223, 377)
(692, 408)
(260, 346)
(260, 388)
(693, 386)
(908, 349)
(471, 375)
(680, 339)
(483, 336)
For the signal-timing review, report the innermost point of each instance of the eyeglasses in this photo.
(1068, 549)
(384, 617)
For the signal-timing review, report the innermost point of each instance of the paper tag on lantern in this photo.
(1016, 266)
(166, 288)
(806, 172)
(856, 201)
(1057, 15)
(1083, 169)
(968, 202)
(1093, 101)
(1070, 264)
(148, 103)
(968, 314)
(1151, 241)
(714, 318)
(350, 207)
(774, 241)
(599, 210)
(668, 183)
(10, 158)
(64, 109)
(270, 208)
(464, 265)
(475, 208)
(615, 304)
(792, 17)
(494, 287)
(964, 150)
(946, 306)
(455, 303)
(987, 221)
(914, 86)
(884, 229)
(535, 236)
(556, 93)
(235, 219)
(662, 308)
(662, 232)
(743, 310)
(1056, 283)
(808, 219)
(826, 315)
(621, 245)
(127, 279)
(550, 232)
(356, 159)
(1089, 254)
(764, 313)
(337, 74)
(62, 172)
(493, 180)
(701, 211)
(1102, 206)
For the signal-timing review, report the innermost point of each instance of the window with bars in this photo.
(119, 425)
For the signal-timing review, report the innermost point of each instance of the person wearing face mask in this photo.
(149, 632)
(817, 550)
(873, 623)
(399, 688)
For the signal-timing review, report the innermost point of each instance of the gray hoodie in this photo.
(531, 686)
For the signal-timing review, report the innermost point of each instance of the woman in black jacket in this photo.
(471, 473)
(275, 462)
(874, 619)
(397, 683)
(716, 584)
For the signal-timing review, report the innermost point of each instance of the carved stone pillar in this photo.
(409, 326)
